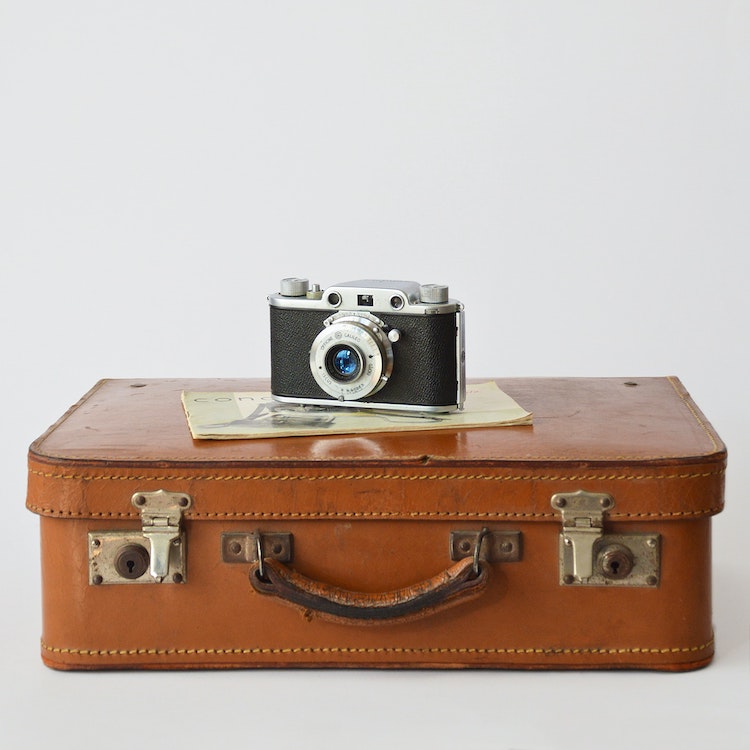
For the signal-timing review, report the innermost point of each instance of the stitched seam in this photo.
(691, 407)
(369, 650)
(366, 514)
(365, 477)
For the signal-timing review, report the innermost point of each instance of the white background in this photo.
(578, 172)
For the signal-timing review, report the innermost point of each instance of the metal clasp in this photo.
(161, 515)
(583, 525)
(589, 557)
(155, 553)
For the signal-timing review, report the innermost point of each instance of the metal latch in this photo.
(589, 557)
(156, 554)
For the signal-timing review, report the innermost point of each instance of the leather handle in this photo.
(457, 584)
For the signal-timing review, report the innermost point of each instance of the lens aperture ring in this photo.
(351, 358)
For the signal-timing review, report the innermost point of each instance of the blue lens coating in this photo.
(345, 362)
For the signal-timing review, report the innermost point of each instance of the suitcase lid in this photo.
(643, 438)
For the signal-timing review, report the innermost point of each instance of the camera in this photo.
(368, 344)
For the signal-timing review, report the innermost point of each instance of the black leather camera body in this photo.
(367, 344)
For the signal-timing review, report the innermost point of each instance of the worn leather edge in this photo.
(196, 514)
(718, 449)
(35, 449)
(718, 444)
(78, 658)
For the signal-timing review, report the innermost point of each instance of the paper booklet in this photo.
(254, 414)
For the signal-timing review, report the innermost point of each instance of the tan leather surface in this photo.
(600, 420)
(523, 617)
(373, 514)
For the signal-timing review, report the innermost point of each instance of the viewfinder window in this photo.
(364, 300)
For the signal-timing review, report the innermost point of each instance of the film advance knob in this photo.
(293, 287)
(433, 294)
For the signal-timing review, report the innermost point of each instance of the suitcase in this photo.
(582, 541)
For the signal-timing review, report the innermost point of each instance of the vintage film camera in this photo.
(367, 344)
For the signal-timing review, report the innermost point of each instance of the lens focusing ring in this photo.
(351, 358)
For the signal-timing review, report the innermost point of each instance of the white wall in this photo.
(578, 172)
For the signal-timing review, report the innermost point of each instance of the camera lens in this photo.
(351, 357)
(343, 362)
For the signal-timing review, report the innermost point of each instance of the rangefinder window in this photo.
(364, 300)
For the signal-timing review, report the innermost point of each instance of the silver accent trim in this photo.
(366, 335)
(381, 292)
(293, 287)
(432, 294)
(357, 405)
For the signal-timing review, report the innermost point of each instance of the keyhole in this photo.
(132, 561)
(616, 561)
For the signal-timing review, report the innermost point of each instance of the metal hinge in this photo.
(589, 557)
(156, 554)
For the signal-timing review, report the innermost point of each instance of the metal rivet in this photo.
(184, 502)
(177, 577)
(651, 542)
(277, 549)
(96, 543)
(235, 548)
(561, 502)
(568, 542)
(140, 500)
(651, 581)
(97, 580)
(605, 502)
(506, 547)
(465, 545)
(568, 579)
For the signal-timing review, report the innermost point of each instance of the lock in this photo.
(615, 561)
(132, 561)
(592, 555)
(155, 553)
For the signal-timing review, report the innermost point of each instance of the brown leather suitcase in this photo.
(582, 541)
